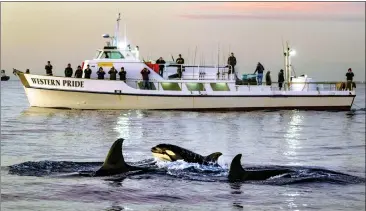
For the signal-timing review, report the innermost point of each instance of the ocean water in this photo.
(329, 140)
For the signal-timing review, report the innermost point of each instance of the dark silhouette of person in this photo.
(48, 68)
(87, 72)
(68, 71)
(281, 79)
(161, 63)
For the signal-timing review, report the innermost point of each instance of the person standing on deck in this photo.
(268, 78)
(145, 78)
(48, 68)
(180, 62)
(122, 74)
(68, 71)
(260, 70)
(87, 72)
(231, 61)
(349, 76)
(113, 74)
(79, 72)
(100, 73)
(281, 79)
(161, 63)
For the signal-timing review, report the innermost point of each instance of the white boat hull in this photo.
(83, 100)
(72, 93)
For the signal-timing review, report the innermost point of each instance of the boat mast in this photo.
(287, 66)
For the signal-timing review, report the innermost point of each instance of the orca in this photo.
(238, 174)
(169, 152)
(115, 163)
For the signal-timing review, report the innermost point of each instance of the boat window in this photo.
(170, 86)
(111, 55)
(219, 87)
(195, 87)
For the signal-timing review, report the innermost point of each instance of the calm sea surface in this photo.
(330, 140)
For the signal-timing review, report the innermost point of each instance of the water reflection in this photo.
(291, 197)
(292, 137)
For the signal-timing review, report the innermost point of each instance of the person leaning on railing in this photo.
(349, 76)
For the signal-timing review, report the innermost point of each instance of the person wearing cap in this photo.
(48, 68)
(231, 61)
(349, 76)
(68, 71)
(180, 61)
(79, 72)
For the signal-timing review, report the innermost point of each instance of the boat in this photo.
(4, 77)
(200, 87)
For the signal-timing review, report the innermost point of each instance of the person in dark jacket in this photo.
(122, 74)
(87, 72)
(231, 61)
(268, 78)
(145, 78)
(260, 70)
(68, 71)
(180, 69)
(27, 71)
(281, 79)
(100, 73)
(113, 74)
(48, 68)
(161, 63)
(79, 72)
(349, 76)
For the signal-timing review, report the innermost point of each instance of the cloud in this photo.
(283, 17)
(331, 11)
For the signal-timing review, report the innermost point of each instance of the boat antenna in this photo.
(218, 56)
(117, 30)
(125, 34)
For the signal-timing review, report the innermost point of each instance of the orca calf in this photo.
(169, 152)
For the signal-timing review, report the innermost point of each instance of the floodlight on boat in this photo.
(105, 36)
(292, 53)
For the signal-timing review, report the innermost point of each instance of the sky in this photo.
(329, 37)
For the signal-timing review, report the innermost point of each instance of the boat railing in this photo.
(306, 86)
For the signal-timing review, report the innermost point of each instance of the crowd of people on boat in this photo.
(259, 71)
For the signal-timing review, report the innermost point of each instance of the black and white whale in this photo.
(169, 152)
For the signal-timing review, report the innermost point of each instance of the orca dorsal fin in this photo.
(236, 171)
(213, 157)
(114, 162)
